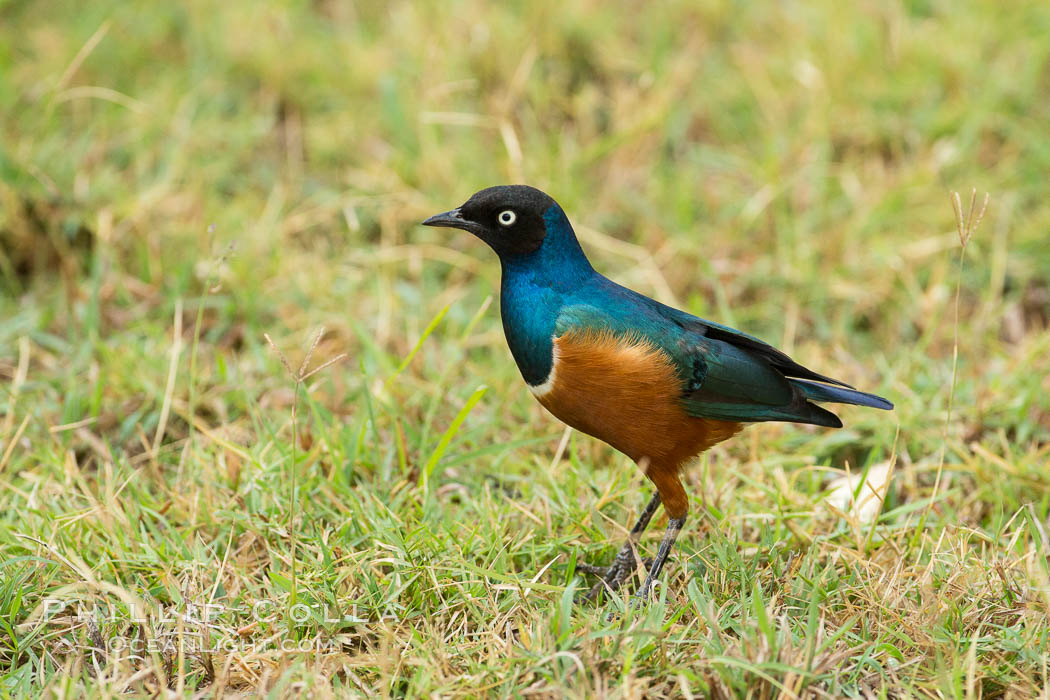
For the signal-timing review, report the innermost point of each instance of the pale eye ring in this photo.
(507, 218)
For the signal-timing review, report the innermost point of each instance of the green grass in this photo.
(177, 180)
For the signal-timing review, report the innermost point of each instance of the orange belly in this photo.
(625, 391)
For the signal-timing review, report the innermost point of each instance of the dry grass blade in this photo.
(173, 366)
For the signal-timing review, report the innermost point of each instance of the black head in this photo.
(509, 218)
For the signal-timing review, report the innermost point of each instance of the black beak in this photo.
(448, 219)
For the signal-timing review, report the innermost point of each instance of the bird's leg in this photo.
(674, 526)
(614, 575)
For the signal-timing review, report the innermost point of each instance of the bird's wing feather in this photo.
(720, 380)
(777, 359)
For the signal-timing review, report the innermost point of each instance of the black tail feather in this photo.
(834, 394)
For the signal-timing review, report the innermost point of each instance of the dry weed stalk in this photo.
(299, 377)
(966, 226)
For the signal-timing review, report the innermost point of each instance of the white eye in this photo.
(507, 218)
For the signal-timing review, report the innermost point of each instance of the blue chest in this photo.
(534, 290)
(529, 312)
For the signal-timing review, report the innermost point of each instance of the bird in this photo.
(657, 384)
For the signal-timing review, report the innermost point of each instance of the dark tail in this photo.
(835, 394)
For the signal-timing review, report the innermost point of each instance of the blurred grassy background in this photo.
(177, 180)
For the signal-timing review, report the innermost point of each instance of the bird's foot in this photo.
(585, 568)
(611, 577)
(641, 597)
(638, 601)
